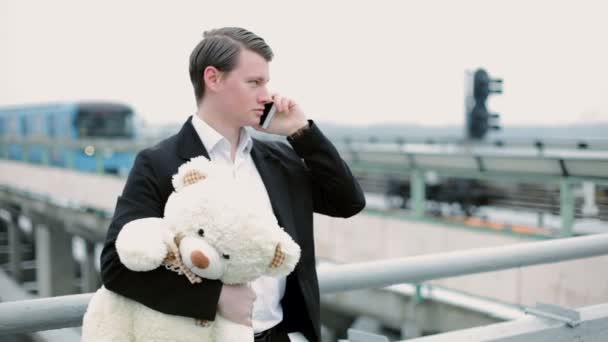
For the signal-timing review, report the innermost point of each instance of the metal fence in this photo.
(67, 311)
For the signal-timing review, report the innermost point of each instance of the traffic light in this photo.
(479, 119)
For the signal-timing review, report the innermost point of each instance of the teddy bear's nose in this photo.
(199, 259)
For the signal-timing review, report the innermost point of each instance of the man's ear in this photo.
(212, 77)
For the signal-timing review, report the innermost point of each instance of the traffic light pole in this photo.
(478, 119)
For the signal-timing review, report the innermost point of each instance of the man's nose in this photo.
(265, 96)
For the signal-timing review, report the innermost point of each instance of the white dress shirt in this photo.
(267, 310)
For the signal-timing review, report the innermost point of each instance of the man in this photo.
(229, 71)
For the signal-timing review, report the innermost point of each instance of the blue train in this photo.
(68, 123)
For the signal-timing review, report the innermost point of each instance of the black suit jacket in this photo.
(310, 177)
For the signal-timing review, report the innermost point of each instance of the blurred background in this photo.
(468, 124)
(353, 64)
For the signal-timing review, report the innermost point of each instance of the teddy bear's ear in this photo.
(191, 172)
(286, 256)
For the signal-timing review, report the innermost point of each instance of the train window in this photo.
(104, 123)
(50, 124)
(24, 126)
(13, 125)
(38, 125)
(67, 126)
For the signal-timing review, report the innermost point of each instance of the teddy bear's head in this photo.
(221, 232)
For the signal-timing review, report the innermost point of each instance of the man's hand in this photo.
(236, 303)
(288, 119)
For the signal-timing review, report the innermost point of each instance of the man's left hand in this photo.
(288, 118)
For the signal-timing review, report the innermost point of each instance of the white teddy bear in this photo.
(207, 233)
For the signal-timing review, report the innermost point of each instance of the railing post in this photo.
(54, 260)
(566, 206)
(410, 327)
(14, 245)
(90, 276)
(417, 192)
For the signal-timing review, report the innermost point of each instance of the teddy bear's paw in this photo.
(141, 244)
(286, 256)
(279, 257)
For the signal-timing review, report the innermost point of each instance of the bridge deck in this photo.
(62, 185)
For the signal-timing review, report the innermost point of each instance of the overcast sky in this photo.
(344, 61)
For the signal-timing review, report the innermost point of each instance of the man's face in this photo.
(242, 92)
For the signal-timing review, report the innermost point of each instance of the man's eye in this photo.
(201, 232)
(225, 256)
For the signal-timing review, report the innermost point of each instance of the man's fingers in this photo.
(276, 98)
(291, 104)
(285, 105)
(277, 103)
(236, 303)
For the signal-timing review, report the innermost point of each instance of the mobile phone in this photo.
(269, 110)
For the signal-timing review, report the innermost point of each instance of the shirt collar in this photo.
(211, 138)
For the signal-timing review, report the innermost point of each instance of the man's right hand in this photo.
(236, 303)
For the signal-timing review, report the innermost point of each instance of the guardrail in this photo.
(67, 311)
(595, 144)
(563, 163)
(409, 166)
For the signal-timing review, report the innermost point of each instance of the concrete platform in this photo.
(371, 237)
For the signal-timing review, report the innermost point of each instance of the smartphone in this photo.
(269, 110)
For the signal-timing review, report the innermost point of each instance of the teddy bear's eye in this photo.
(225, 256)
(201, 232)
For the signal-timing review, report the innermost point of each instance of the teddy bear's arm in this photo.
(141, 244)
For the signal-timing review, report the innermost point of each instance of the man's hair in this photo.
(220, 48)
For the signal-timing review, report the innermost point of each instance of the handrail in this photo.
(449, 264)
(581, 144)
(67, 311)
(41, 314)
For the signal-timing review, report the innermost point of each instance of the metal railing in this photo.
(401, 170)
(67, 311)
(540, 144)
(375, 164)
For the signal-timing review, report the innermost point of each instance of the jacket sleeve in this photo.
(335, 191)
(159, 289)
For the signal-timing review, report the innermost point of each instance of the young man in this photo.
(229, 71)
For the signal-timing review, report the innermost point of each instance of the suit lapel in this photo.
(273, 175)
(189, 144)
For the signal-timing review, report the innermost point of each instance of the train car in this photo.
(53, 133)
